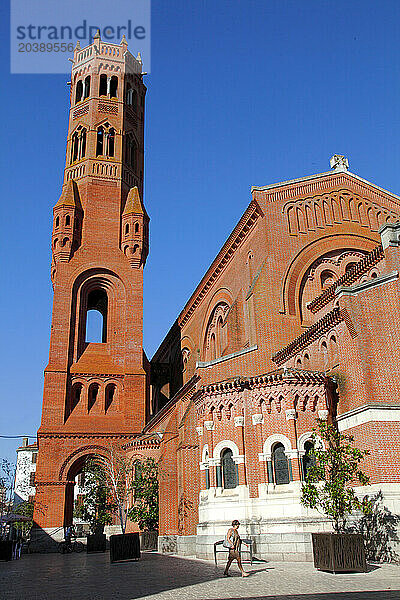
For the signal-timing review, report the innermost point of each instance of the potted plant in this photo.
(144, 511)
(328, 488)
(113, 473)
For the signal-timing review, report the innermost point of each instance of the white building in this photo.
(24, 486)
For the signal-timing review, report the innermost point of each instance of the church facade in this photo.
(297, 318)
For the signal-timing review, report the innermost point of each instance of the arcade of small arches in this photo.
(96, 396)
(108, 87)
(277, 454)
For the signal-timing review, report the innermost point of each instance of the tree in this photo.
(96, 506)
(25, 509)
(7, 476)
(112, 472)
(145, 491)
(331, 473)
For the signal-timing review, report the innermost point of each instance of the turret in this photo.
(135, 230)
(67, 224)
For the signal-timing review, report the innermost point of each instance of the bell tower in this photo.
(95, 391)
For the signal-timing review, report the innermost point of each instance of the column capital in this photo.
(209, 425)
(199, 431)
(290, 414)
(239, 421)
(323, 414)
(257, 418)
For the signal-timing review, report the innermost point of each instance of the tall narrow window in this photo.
(83, 143)
(110, 142)
(96, 318)
(79, 91)
(57, 221)
(229, 470)
(92, 395)
(67, 221)
(110, 394)
(136, 227)
(129, 93)
(113, 86)
(75, 395)
(75, 147)
(103, 85)
(308, 459)
(86, 92)
(127, 229)
(100, 141)
(280, 463)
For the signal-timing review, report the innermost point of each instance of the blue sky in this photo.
(241, 93)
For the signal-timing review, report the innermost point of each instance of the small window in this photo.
(32, 478)
(79, 91)
(67, 221)
(229, 470)
(57, 221)
(92, 395)
(136, 227)
(86, 92)
(100, 141)
(83, 144)
(127, 229)
(110, 142)
(34, 458)
(110, 393)
(134, 100)
(308, 460)
(280, 464)
(103, 85)
(113, 86)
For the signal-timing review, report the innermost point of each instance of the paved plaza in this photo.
(161, 577)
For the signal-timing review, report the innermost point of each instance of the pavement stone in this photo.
(163, 577)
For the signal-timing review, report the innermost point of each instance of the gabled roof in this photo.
(326, 174)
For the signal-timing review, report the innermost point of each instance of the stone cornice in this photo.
(313, 184)
(238, 235)
(348, 278)
(367, 285)
(324, 324)
(216, 361)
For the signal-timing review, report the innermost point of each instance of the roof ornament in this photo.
(339, 162)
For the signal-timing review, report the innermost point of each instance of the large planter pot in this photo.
(339, 552)
(96, 542)
(124, 547)
(6, 547)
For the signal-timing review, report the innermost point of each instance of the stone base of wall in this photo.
(46, 539)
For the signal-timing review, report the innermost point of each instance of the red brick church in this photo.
(296, 318)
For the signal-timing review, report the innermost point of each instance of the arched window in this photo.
(229, 470)
(57, 221)
(83, 144)
(110, 142)
(67, 221)
(103, 85)
(76, 392)
(215, 337)
(136, 227)
(92, 395)
(110, 394)
(306, 361)
(79, 91)
(96, 318)
(127, 229)
(100, 141)
(86, 92)
(74, 147)
(129, 92)
(308, 460)
(280, 464)
(113, 86)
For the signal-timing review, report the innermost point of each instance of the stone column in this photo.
(293, 456)
(209, 427)
(239, 460)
